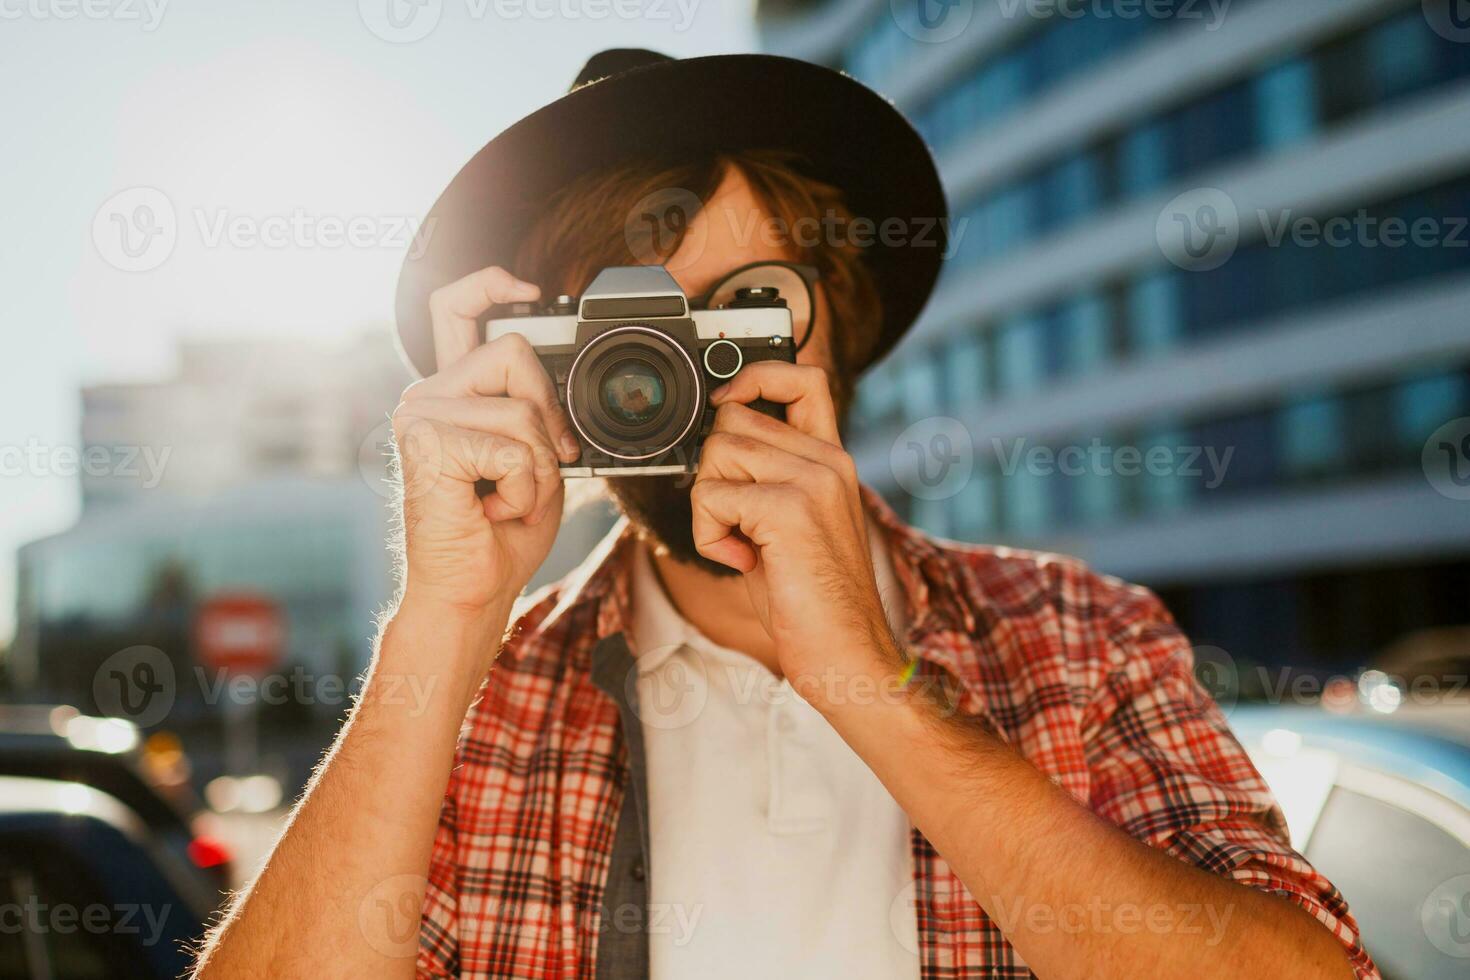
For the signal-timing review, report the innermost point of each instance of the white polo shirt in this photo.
(774, 850)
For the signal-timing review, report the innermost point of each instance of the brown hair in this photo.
(586, 226)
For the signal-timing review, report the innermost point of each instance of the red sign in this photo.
(239, 632)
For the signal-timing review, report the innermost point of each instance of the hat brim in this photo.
(845, 134)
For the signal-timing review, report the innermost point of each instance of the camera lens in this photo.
(633, 392)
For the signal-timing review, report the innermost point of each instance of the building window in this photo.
(1020, 354)
(1155, 313)
(965, 375)
(921, 386)
(1313, 437)
(1024, 502)
(1286, 104)
(1422, 405)
(1085, 326)
(1163, 490)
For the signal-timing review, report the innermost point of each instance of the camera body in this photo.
(634, 366)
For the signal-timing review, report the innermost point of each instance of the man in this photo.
(766, 730)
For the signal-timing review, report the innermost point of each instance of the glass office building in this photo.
(1249, 437)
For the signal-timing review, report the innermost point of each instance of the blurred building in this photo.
(1066, 133)
(259, 467)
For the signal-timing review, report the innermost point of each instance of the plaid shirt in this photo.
(1084, 675)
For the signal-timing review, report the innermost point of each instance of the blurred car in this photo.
(1381, 807)
(88, 891)
(59, 743)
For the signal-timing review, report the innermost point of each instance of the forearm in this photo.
(349, 868)
(1075, 895)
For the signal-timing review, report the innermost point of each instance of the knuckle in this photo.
(544, 462)
(440, 300)
(700, 492)
(726, 442)
(827, 480)
(523, 414)
(511, 458)
(812, 374)
(844, 466)
(511, 345)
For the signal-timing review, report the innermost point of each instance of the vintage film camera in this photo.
(634, 365)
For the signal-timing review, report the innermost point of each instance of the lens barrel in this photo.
(634, 392)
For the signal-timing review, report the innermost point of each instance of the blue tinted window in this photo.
(1163, 489)
(1144, 160)
(1213, 129)
(931, 516)
(1084, 333)
(965, 381)
(1073, 190)
(920, 380)
(878, 398)
(974, 512)
(1091, 482)
(1286, 104)
(1401, 56)
(1020, 354)
(1025, 503)
(1312, 435)
(1155, 312)
(1424, 404)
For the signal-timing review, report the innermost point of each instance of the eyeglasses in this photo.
(796, 285)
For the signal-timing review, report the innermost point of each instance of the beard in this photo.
(658, 507)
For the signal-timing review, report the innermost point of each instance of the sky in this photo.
(213, 169)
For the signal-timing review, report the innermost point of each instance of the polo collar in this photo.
(939, 591)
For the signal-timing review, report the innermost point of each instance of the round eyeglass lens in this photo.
(793, 287)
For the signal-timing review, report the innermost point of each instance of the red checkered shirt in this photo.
(1084, 675)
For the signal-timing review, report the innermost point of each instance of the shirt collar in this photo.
(659, 630)
(939, 593)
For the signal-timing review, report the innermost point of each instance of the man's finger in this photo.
(724, 507)
(735, 418)
(737, 457)
(508, 366)
(802, 388)
(466, 455)
(453, 309)
(507, 417)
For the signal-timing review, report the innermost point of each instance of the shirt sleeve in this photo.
(1167, 769)
(438, 952)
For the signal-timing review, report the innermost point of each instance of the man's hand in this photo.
(490, 413)
(779, 501)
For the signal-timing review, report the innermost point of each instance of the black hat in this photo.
(630, 104)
